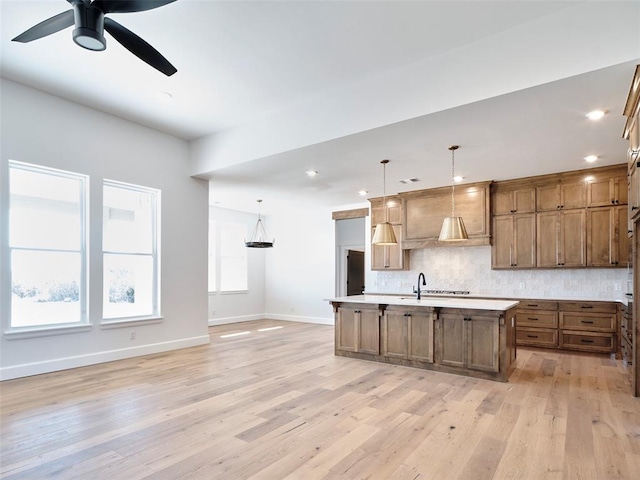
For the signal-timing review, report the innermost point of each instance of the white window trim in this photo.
(156, 315)
(49, 329)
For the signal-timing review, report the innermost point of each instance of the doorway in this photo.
(355, 272)
(350, 256)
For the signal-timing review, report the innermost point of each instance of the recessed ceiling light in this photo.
(596, 114)
(458, 178)
(363, 192)
(591, 158)
(312, 173)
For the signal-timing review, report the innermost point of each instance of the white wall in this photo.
(244, 306)
(46, 130)
(300, 270)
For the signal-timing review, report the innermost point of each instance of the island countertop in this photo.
(435, 302)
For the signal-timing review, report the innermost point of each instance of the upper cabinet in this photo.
(425, 210)
(388, 257)
(559, 195)
(520, 199)
(575, 220)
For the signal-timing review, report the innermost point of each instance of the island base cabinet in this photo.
(407, 334)
(474, 342)
(357, 329)
(468, 340)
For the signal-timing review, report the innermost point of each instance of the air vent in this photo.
(409, 180)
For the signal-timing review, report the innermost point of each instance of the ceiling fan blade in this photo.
(47, 27)
(139, 47)
(124, 6)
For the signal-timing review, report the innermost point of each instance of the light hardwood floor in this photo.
(278, 404)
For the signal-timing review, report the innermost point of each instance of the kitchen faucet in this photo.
(417, 290)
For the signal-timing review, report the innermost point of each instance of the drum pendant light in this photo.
(383, 234)
(259, 237)
(453, 227)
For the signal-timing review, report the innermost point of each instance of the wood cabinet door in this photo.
(452, 340)
(483, 336)
(502, 202)
(420, 337)
(502, 242)
(346, 329)
(389, 257)
(573, 195)
(395, 334)
(520, 200)
(525, 200)
(524, 240)
(621, 236)
(548, 197)
(369, 332)
(600, 192)
(600, 239)
(547, 239)
(572, 239)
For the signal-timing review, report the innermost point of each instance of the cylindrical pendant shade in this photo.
(453, 230)
(383, 235)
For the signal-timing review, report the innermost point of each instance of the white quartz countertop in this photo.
(443, 302)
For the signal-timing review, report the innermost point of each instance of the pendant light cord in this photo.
(384, 190)
(453, 183)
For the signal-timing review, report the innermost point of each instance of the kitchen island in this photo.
(466, 336)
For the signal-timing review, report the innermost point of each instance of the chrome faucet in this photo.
(417, 290)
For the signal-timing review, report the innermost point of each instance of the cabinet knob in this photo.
(407, 314)
(634, 208)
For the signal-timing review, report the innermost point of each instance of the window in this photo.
(233, 257)
(130, 250)
(47, 246)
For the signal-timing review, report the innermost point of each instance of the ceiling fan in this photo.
(90, 20)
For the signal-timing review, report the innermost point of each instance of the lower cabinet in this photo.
(407, 333)
(477, 343)
(585, 326)
(468, 340)
(358, 329)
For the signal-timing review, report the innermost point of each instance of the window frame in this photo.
(156, 198)
(83, 323)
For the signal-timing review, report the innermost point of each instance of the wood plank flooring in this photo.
(277, 404)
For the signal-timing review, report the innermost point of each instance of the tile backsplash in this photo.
(469, 268)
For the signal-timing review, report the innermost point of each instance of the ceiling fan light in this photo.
(384, 235)
(89, 39)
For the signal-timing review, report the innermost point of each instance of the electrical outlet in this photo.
(133, 336)
(521, 285)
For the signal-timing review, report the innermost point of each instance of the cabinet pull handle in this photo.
(467, 319)
(356, 311)
(586, 321)
(634, 208)
(586, 306)
(586, 341)
(532, 318)
(532, 304)
(532, 336)
(407, 314)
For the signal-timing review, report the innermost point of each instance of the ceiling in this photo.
(241, 62)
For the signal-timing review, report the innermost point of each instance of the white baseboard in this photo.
(238, 319)
(54, 365)
(298, 318)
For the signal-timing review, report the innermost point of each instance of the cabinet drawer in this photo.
(599, 307)
(537, 337)
(534, 318)
(587, 341)
(538, 305)
(587, 321)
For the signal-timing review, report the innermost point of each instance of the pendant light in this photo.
(259, 237)
(453, 227)
(383, 234)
